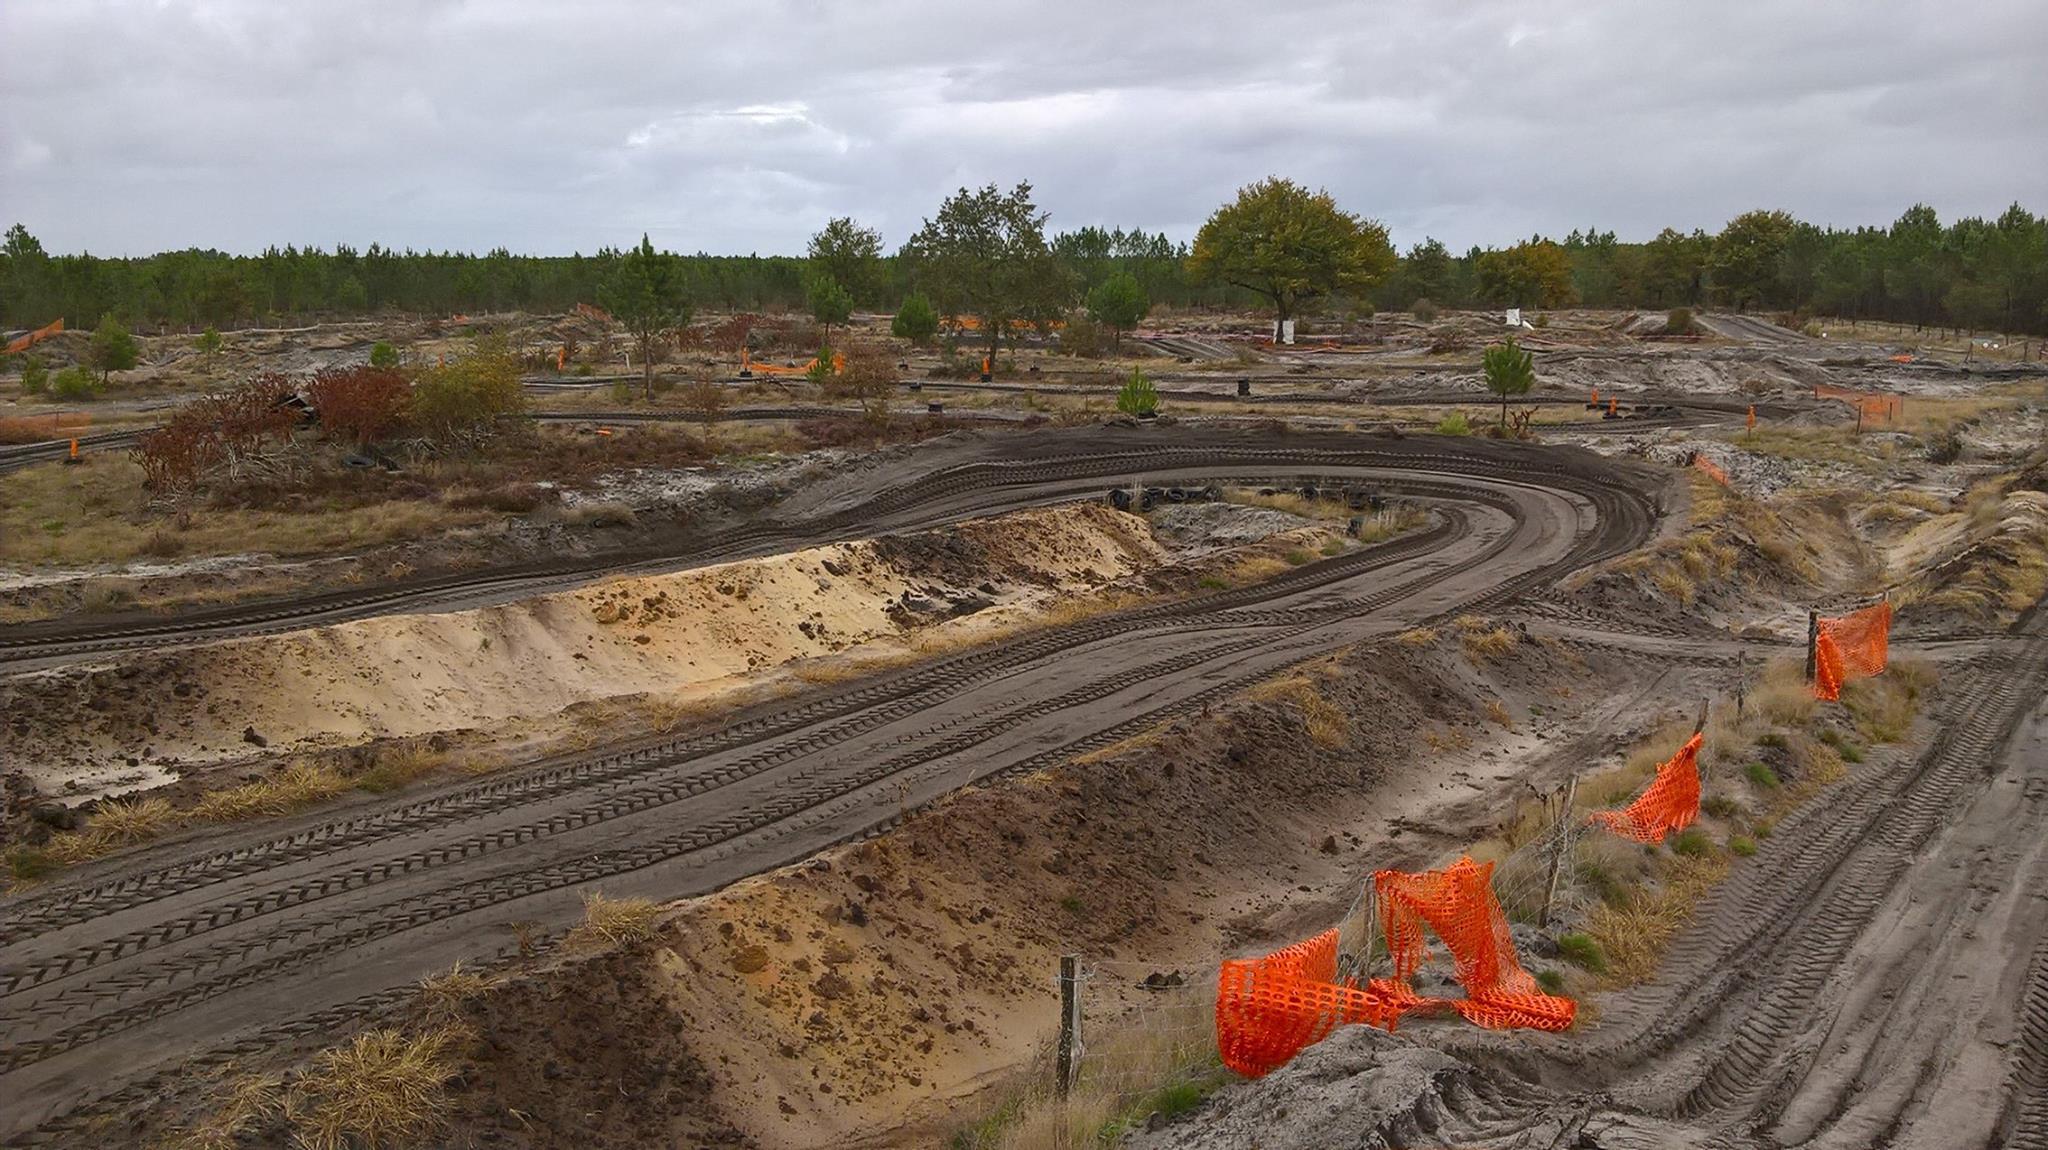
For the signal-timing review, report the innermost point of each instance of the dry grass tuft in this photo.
(444, 994)
(609, 922)
(1417, 637)
(1484, 642)
(1783, 696)
(1634, 934)
(398, 765)
(1499, 714)
(296, 787)
(111, 827)
(246, 1105)
(1326, 724)
(1160, 1059)
(1291, 503)
(385, 1088)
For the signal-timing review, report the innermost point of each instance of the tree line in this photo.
(988, 252)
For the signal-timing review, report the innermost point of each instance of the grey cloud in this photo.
(135, 125)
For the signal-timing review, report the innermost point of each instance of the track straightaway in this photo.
(188, 947)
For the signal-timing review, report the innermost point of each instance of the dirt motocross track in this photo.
(286, 929)
(1880, 980)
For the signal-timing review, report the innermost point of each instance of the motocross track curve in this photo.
(269, 932)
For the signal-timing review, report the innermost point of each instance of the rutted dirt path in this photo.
(176, 952)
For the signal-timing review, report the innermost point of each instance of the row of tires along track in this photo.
(660, 772)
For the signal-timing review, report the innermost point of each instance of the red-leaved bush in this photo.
(362, 403)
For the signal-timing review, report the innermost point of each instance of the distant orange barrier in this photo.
(1670, 803)
(747, 365)
(1711, 469)
(1868, 404)
(1852, 646)
(23, 343)
(1269, 1009)
(596, 313)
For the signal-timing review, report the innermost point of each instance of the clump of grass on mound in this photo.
(1634, 934)
(299, 786)
(1324, 721)
(609, 922)
(1582, 951)
(445, 994)
(246, 1105)
(1484, 641)
(113, 826)
(386, 1087)
(1172, 1047)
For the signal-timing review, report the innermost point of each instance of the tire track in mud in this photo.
(857, 711)
(66, 638)
(37, 915)
(832, 799)
(1710, 1041)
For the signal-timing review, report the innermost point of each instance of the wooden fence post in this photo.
(1812, 641)
(1070, 1021)
(1564, 836)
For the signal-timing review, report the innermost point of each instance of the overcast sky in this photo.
(130, 126)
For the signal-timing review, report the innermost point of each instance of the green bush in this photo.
(820, 372)
(1762, 775)
(75, 384)
(35, 378)
(1138, 396)
(1678, 321)
(1581, 951)
(1552, 981)
(1423, 310)
(462, 399)
(1454, 424)
(915, 321)
(1719, 806)
(113, 349)
(1742, 845)
(1692, 843)
(383, 355)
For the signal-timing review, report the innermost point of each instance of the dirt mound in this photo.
(876, 993)
(1360, 1087)
(687, 636)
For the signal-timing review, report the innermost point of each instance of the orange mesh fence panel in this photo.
(1457, 902)
(1871, 404)
(1852, 646)
(35, 337)
(1269, 1009)
(1711, 469)
(596, 313)
(1671, 802)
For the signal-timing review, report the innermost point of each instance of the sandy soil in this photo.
(686, 637)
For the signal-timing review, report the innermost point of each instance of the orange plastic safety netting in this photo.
(35, 337)
(1711, 469)
(1870, 405)
(1852, 646)
(1269, 1009)
(1457, 902)
(1671, 802)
